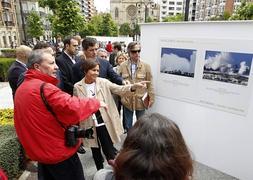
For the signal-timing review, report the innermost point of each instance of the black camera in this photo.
(74, 132)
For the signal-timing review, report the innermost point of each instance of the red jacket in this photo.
(38, 131)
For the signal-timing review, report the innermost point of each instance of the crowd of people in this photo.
(69, 99)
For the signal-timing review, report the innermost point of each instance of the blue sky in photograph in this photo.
(184, 53)
(231, 57)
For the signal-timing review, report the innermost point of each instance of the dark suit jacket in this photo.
(66, 74)
(13, 74)
(105, 71)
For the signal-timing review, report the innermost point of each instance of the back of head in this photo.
(117, 45)
(154, 149)
(41, 45)
(88, 42)
(23, 52)
(78, 38)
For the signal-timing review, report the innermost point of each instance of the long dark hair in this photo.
(154, 149)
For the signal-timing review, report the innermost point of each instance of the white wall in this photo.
(219, 139)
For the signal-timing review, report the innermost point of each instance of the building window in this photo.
(4, 40)
(116, 12)
(179, 3)
(171, 3)
(171, 8)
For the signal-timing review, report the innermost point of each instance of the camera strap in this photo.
(49, 108)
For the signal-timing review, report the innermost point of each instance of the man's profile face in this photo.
(48, 65)
(72, 48)
(91, 52)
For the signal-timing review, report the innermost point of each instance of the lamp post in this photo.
(147, 4)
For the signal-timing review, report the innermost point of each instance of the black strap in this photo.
(49, 108)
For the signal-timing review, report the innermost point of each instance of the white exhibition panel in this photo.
(203, 81)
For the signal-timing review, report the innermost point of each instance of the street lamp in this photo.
(147, 4)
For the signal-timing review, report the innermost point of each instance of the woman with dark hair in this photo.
(106, 124)
(154, 149)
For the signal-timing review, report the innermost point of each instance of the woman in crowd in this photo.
(120, 58)
(105, 123)
(154, 149)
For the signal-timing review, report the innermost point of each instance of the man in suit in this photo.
(18, 66)
(65, 62)
(90, 47)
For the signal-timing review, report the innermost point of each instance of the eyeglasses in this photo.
(136, 51)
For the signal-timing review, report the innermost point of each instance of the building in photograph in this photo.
(9, 35)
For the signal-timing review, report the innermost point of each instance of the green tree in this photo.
(178, 17)
(100, 25)
(67, 18)
(34, 25)
(91, 28)
(125, 29)
(244, 12)
(224, 17)
(108, 26)
(52, 4)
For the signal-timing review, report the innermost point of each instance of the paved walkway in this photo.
(201, 172)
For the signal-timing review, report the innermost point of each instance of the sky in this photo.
(102, 5)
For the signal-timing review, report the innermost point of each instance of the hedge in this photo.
(11, 153)
(8, 53)
(5, 64)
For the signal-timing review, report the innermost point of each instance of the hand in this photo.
(142, 84)
(125, 82)
(103, 105)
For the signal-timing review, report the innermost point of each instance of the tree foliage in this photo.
(52, 4)
(100, 25)
(244, 12)
(125, 29)
(34, 25)
(224, 17)
(175, 18)
(67, 18)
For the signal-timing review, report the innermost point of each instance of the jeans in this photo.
(128, 116)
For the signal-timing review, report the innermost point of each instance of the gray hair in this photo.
(36, 57)
(101, 50)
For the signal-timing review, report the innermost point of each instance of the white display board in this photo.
(203, 81)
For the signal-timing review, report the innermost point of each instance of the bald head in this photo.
(22, 53)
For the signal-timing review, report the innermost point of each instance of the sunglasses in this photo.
(136, 51)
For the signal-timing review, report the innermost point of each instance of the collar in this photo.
(72, 58)
(23, 64)
(35, 74)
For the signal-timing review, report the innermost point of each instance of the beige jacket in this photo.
(104, 90)
(143, 73)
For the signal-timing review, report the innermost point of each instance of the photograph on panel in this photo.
(230, 67)
(177, 61)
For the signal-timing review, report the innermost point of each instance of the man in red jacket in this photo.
(41, 133)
